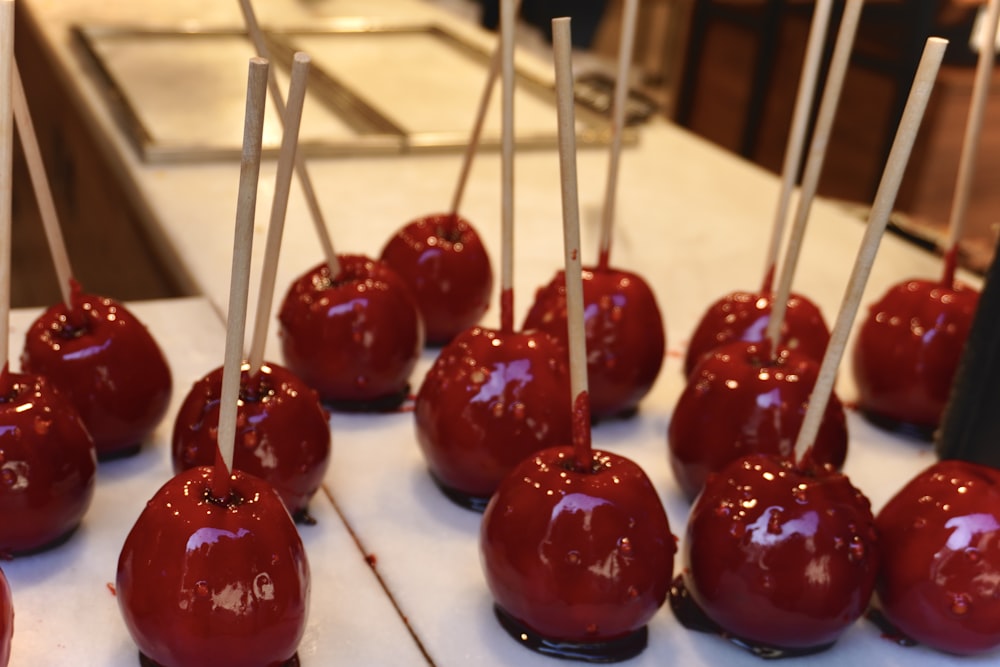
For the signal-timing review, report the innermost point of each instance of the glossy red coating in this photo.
(625, 336)
(6, 621)
(442, 259)
(940, 577)
(104, 360)
(48, 465)
(490, 400)
(282, 431)
(577, 556)
(744, 316)
(742, 400)
(209, 583)
(908, 349)
(778, 557)
(352, 337)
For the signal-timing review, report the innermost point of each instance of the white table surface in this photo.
(692, 220)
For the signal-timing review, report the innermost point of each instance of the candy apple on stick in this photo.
(47, 458)
(213, 572)
(744, 315)
(442, 257)
(575, 545)
(91, 348)
(6, 620)
(625, 333)
(493, 396)
(908, 348)
(763, 387)
(284, 433)
(780, 555)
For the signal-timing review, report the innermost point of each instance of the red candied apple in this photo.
(624, 332)
(282, 435)
(578, 561)
(209, 581)
(744, 316)
(48, 465)
(107, 364)
(354, 337)
(6, 620)
(939, 582)
(442, 259)
(740, 400)
(779, 560)
(490, 400)
(907, 352)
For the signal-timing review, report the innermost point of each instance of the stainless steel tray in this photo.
(179, 93)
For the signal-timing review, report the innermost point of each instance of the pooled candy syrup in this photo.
(615, 650)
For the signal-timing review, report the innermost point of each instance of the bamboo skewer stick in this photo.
(6, 171)
(630, 13)
(40, 186)
(797, 134)
(814, 164)
(239, 285)
(562, 46)
(507, 23)
(885, 198)
(279, 208)
(970, 142)
(305, 181)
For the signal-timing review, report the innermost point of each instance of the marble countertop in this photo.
(692, 220)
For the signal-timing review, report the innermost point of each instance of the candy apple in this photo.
(907, 352)
(740, 400)
(939, 582)
(48, 465)
(354, 337)
(744, 316)
(491, 399)
(442, 259)
(780, 560)
(214, 581)
(578, 561)
(6, 620)
(283, 433)
(105, 362)
(624, 331)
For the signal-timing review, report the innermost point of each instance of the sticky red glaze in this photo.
(355, 337)
(6, 620)
(282, 431)
(47, 465)
(577, 556)
(490, 400)
(624, 331)
(780, 558)
(744, 316)
(908, 349)
(940, 577)
(741, 400)
(442, 259)
(107, 364)
(203, 582)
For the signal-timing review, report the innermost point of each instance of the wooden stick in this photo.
(312, 202)
(6, 171)
(239, 285)
(885, 198)
(973, 130)
(279, 208)
(797, 134)
(563, 51)
(630, 13)
(507, 25)
(814, 164)
(41, 188)
(477, 125)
